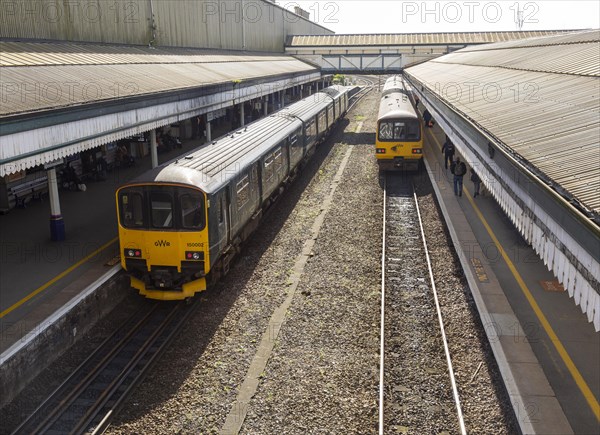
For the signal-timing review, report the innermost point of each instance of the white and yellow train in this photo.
(399, 139)
(181, 223)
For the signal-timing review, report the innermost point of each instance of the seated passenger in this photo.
(70, 179)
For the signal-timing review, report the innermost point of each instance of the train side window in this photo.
(277, 160)
(295, 145)
(192, 210)
(311, 129)
(162, 210)
(268, 172)
(322, 121)
(132, 210)
(243, 191)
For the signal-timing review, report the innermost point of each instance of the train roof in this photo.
(215, 164)
(394, 83)
(310, 106)
(335, 91)
(396, 105)
(307, 108)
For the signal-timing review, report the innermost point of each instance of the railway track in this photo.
(85, 401)
(417, 387)
(364, 90)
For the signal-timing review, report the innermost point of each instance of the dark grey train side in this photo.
(239, 175)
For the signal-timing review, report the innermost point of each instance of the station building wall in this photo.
(254, 25)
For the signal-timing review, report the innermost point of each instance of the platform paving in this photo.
(545, 395)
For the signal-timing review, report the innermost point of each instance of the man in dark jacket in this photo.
(459, 169)
(448, 151)
(427, 118)
(476, 183)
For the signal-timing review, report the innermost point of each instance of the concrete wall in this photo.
(255, 25)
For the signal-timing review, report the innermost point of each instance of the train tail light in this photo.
(417, 151)
(133, 253)
(380, 151)
(194, 255)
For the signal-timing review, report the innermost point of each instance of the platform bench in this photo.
(24, 192)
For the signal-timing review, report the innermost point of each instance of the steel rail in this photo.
(105, 421)
(382, 321)
(438, 310)
(459, 412)
(120, 379)
(59, 391)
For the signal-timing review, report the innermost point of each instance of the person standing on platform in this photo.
(459, 169)
(124, 157)
(427, 118)
(476, 183)
(448, 151)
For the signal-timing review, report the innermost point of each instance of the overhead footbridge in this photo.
(389, 53)
(525, 115)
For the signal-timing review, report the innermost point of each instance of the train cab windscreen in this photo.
(399, 130)
(162, 208)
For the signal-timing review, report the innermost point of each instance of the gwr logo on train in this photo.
(162, 243)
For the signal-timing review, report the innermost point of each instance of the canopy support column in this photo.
(57, 224)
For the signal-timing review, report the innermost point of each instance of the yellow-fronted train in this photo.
(399, 140)
(181, 223)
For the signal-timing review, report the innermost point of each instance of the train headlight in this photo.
(194, 255)
(133, 253)
(380, 151)
(417, 151)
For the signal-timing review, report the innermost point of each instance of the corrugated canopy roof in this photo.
(540, 97)
(40, 76)
(413, 38)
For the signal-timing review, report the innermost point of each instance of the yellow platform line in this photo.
(56, 278)
(583, 386)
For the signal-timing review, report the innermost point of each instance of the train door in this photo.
(223, 221)
(257, 175)
(330, 115)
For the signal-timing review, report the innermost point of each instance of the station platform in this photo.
(546, 349)
(39, 276)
